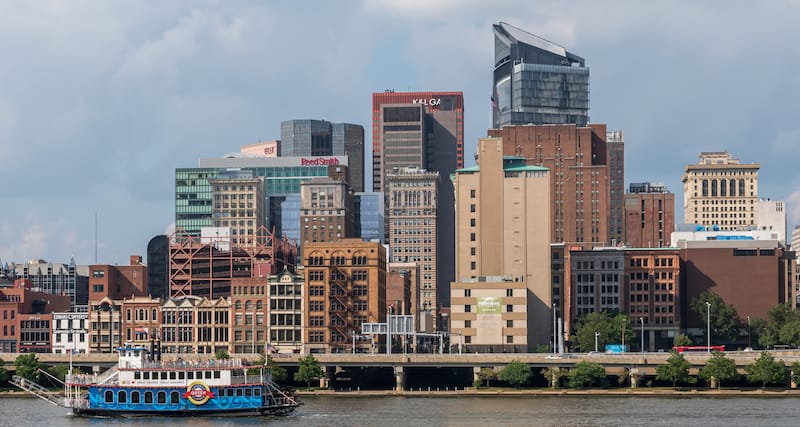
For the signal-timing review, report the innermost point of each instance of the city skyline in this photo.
(102, 102)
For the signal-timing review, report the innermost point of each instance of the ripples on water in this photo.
(461, 411)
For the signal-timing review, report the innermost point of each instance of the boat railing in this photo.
(192, 364)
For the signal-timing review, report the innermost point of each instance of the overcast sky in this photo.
(100, 101)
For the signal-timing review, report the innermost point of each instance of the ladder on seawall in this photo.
(37, 390)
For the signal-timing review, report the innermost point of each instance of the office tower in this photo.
(423, 130)
(503, 253)
(371, 218)
(158, 267)
(306, 138)
(649, 215)
(412, 200)
(536, 81)
(615, 141)
(720, 192)
(576, 158)
(346, 287)
(238, 204)
(327, 211)
(772, 217)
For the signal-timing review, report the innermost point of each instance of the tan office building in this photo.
(720, 191)
(502, 237)
(238, 205)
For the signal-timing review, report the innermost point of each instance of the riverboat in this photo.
(141, 384)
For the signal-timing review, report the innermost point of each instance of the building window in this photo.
(472, 194)
(468, 323)
(509, 323)
(510, 339)
(467, 339)
(509, 292)
(467, 292)
(509, 308)
(467, 308)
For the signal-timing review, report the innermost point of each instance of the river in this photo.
(461, 411)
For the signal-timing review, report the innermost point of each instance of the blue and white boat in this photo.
(142, 384)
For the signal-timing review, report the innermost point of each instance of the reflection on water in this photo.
(460, 411)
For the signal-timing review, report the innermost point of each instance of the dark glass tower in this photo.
(536, 81)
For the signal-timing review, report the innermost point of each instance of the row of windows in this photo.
(174, 396)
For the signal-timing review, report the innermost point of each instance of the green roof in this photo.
(510, 164)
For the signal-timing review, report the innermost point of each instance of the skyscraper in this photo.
(304, 138)
(720, 192)
(536, 81)
(615, 143)
(423, 130)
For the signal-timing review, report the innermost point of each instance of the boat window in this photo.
(172, 375)
(216, 374)
(163, 375)
(256, 392)
(162, 397)
(238, 392)
(190, 375)
(135, 397)
(109, 396)
(146, 375)
(122, 396)
(148, 397)
(181, 375)
(208, 374)
(248, 392)
(174, 397)
(137, 375)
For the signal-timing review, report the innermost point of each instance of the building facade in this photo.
(579, 176)
(53, 278)
(371, 219)
(117, 282)
(105, 326)
(772, 217)
(719, 191)
(536, 81)
(653, 297)
(503, 232)
(286, 312)
(70, 332)
(412, 205)
(649, 215)
(239, 204)
(158, 267)
(615, 143)
(346, 287)
(327, 211)
(141, 319)
(27, 317)
(194, 325)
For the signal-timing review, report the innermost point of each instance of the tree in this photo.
(781, 326)
(610, 325)
(720, 368)
(789, 333)
(3, 371)
(28, 366)
(725, 322)
(487, 374)
(279, 373)
(586, 374)
(553, 374)
(766, 370)
(222, 354)
(681, 339)
(58, 371)
(309, 370)
(794, 372)
(515, 373)
(676, 370)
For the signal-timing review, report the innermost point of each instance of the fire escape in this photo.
(341, 308)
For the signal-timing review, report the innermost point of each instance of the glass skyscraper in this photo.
(536, 81)
(301, 138)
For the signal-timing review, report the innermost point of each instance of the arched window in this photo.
(155, 314)
(713, 187)
(148, 397)
(109, 396)
(174, 398)
(162, 397)
(128, 314)
(741, 188)
(248, 305)
(723, 189)
(732, 193)
(705, 188)
(238, 305)
(122, 396)
(135, 397)
(259, 305)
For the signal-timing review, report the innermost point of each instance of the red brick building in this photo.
(649, 215)
(117, 282)
(27, 316)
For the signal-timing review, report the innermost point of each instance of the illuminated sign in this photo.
(198, 393)
(319, 161)
(431, 101)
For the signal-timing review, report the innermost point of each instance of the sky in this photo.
(100, 101)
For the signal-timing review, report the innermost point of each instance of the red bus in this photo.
(697, 348)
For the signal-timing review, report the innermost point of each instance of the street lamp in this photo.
(596, 334)
(708, 325)
(641, 319)
(748, 333)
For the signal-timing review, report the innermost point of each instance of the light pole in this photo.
(749, 346)
(555, 333)
(353, 334)
(641, 319)
(708, 325)
(596, 334)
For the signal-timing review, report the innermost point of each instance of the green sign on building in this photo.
(488, 305)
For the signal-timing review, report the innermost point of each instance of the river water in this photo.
(460, 411)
